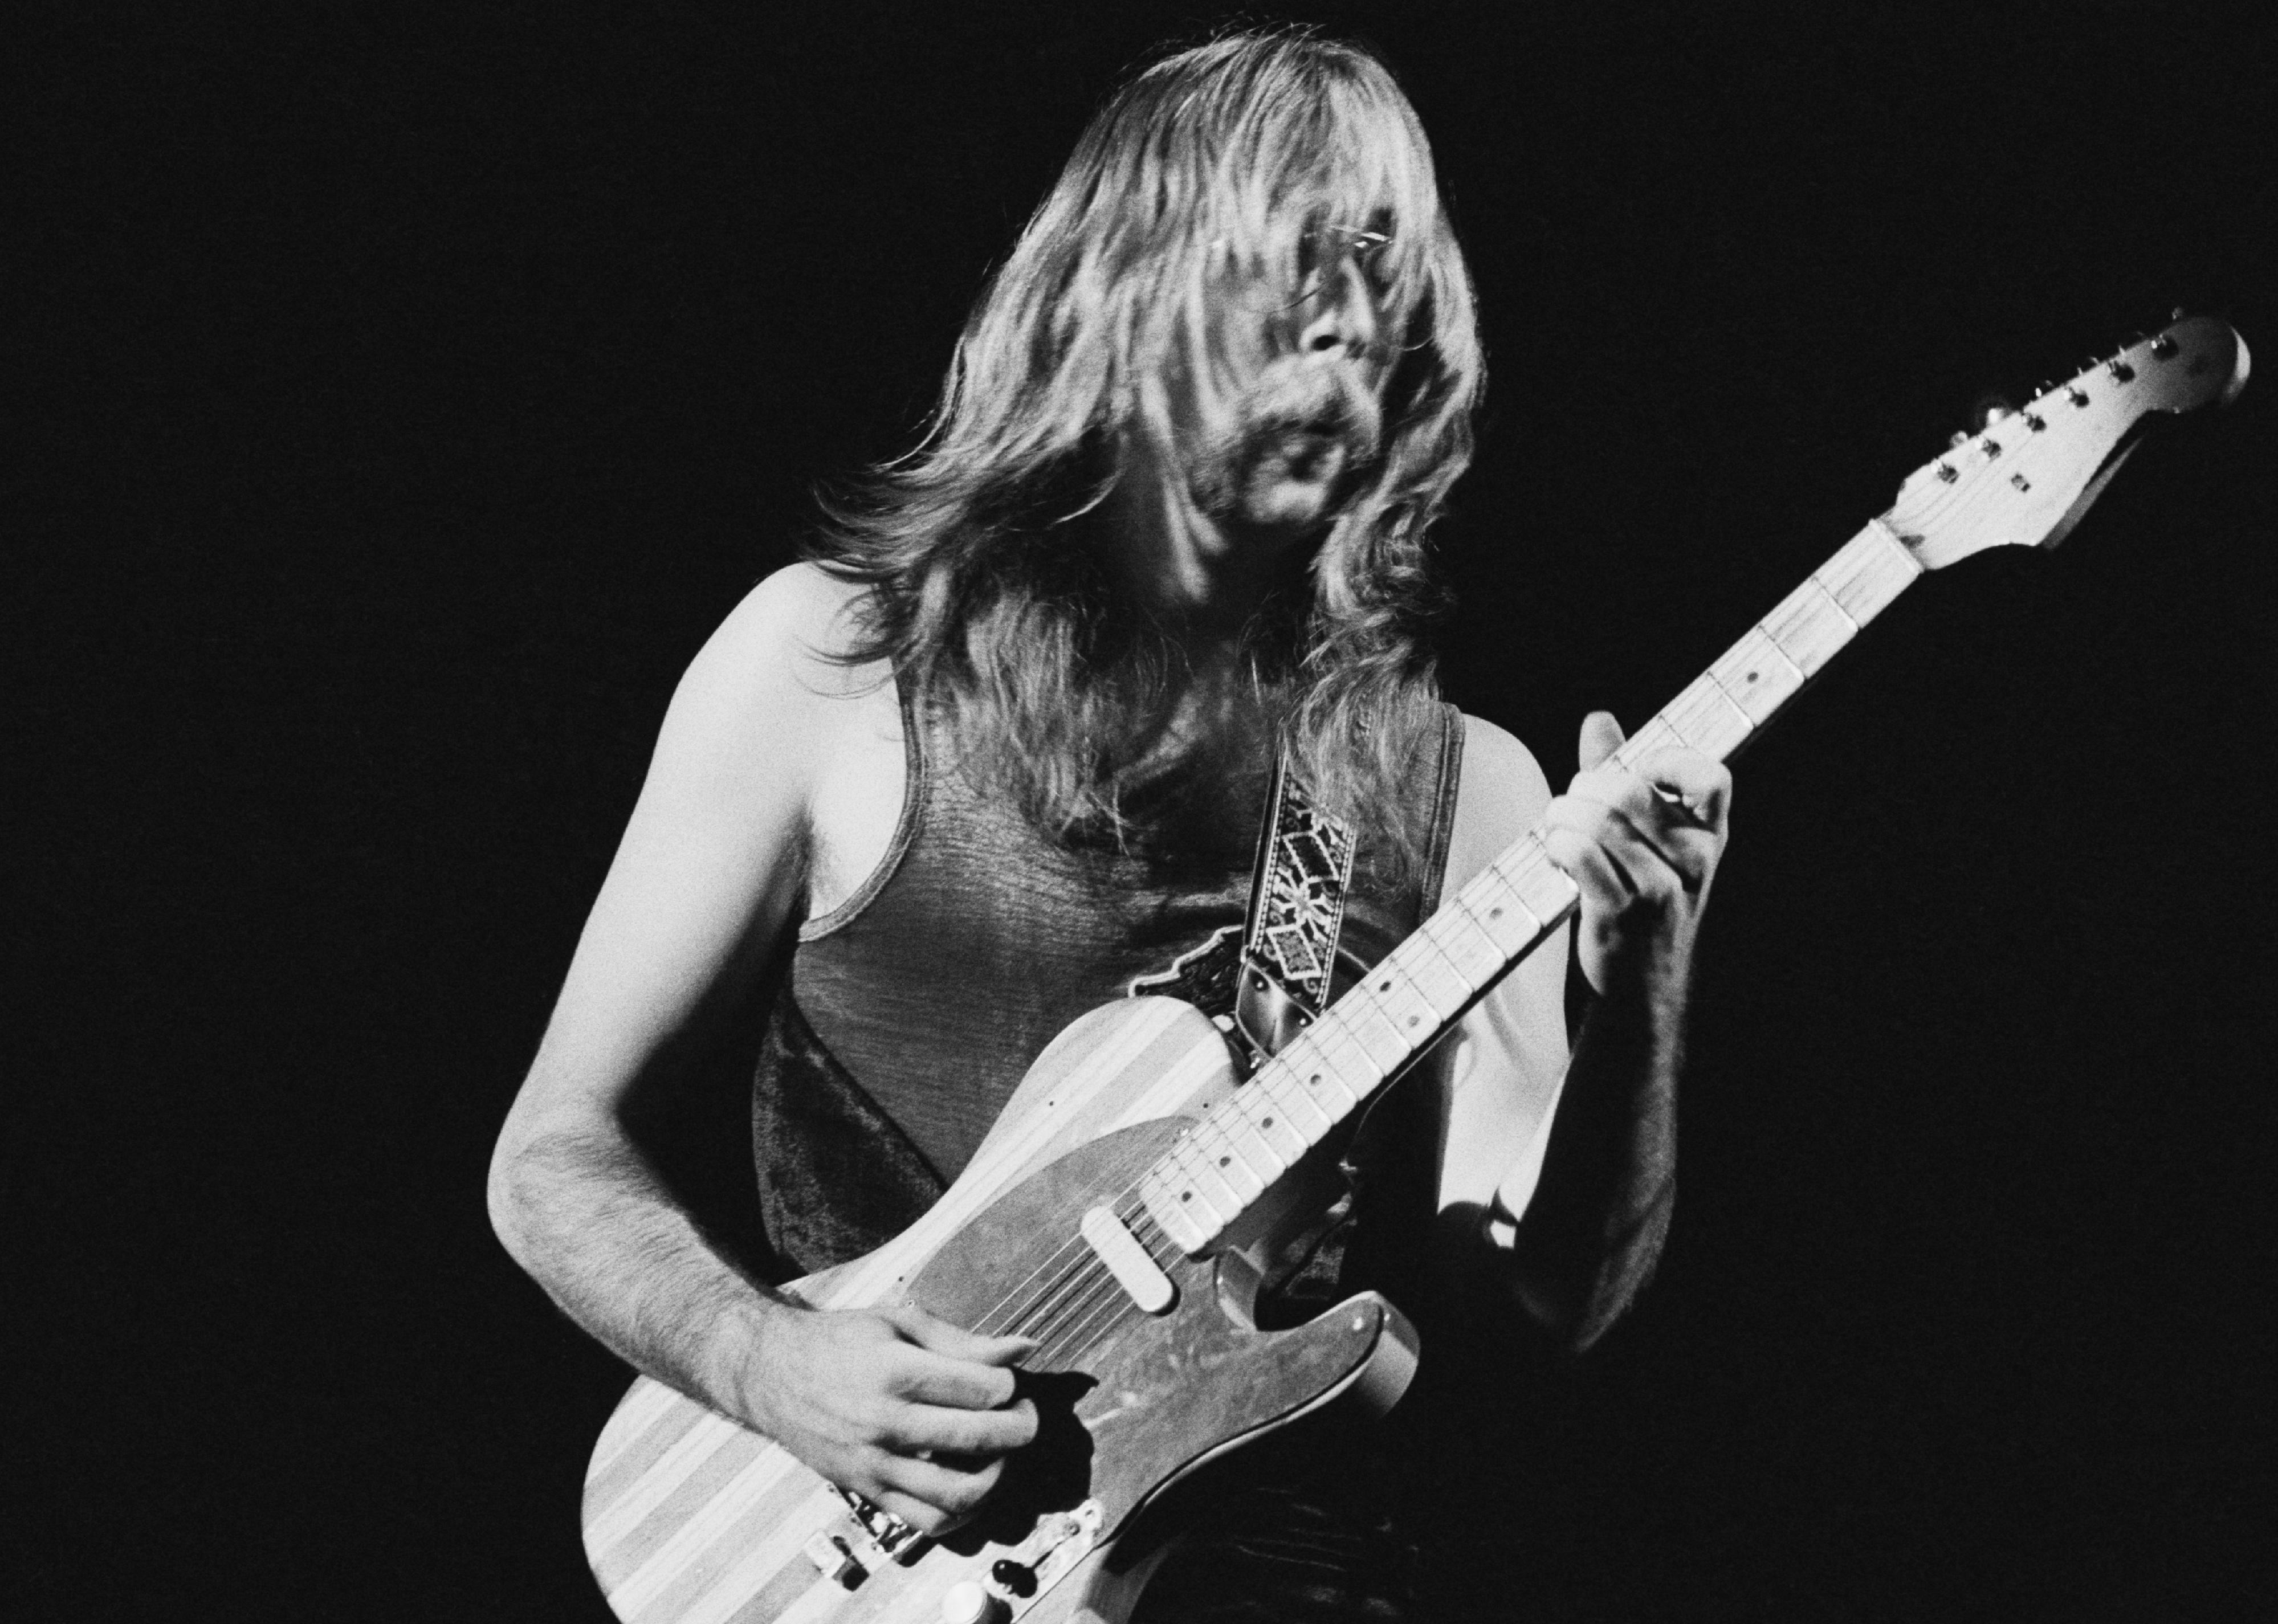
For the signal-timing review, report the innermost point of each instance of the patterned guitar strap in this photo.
(1296, 908)
(1266, 980)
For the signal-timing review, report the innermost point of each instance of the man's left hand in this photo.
(1642, 845)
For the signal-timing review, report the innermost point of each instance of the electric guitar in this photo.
(1107, 1211)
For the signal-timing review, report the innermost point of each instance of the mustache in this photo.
(1326, 400)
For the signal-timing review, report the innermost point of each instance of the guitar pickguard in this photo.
(1131, 1401)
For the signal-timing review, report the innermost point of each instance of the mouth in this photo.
(1306, 449)
(1310, 454)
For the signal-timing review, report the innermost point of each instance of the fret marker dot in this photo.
(1313, 1080)
(1494, 913)
(1226, 1161)
(1411, 1020)
(1186, 1196)
(1267, 1122)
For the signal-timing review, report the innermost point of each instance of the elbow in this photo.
(514, 1190)
(505, 1194)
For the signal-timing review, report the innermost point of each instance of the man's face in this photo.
(1306, 428)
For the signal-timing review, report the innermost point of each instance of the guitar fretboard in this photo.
(1366, 1039)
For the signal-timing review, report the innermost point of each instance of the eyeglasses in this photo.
(1323, 247)
(1365, 248)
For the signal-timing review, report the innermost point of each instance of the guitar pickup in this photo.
(1142, 1278)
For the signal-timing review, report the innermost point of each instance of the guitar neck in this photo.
(1366, 1039)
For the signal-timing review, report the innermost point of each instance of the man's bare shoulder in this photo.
(795, 627)
(771, 693)
(1500, 794)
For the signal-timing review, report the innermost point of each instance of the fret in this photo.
(1248, 1143)
(1497, 909)
(1466, 944)
(1182, 1167)
(1224, 1200)
(1438, 982)
(1213, 1172)
(1401, 1000)
(1810, 627)
(1542, 886)
(1174, 1215)
(1755, 677)
(1304, 1115)
(1375, 1029)
(1655, 735)
(1706, 717)
(1868, 572)
(1346, 1056)
(1321, 1079)
(1282, 1110)
(1181, 1194)
(1213, 1137)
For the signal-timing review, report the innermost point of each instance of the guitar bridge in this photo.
(895, 1539)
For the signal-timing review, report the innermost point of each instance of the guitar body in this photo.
(690, 1518)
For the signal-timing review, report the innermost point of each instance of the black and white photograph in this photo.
(901, 814)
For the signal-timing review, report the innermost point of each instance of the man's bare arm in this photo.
(712, 864)
(1584, 1146)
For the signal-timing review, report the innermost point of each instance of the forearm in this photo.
(586, 1215)
(1599, 1210)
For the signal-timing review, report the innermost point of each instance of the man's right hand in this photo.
(893, 1404)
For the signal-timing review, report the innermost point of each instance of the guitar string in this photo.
(1014, 1301)
(1116, 1305)
(1108, 1294)
(1102, 1290)
(1034, 1317)
(1021, 1304)
(1112, 1301)
(1055, 1324)
(1363, 1001)
(1082, 1278)
(1095, 1283)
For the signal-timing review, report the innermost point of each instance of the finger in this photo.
(927, 1378)
(1688, 796)
(928, 1331)
(1650, 844)
(1590, 867)
(917, 1427)
(1703, 783)
(947, 1491)
(1601, 736)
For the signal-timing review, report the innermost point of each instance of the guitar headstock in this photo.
(2024, 480)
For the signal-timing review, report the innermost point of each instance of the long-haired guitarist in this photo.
(998, 754)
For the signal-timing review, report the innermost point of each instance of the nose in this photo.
(1343, 314)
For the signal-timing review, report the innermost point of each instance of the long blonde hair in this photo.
(984, 591)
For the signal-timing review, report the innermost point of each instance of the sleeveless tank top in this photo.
(911, 1011)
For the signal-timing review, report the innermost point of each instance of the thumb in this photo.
(1601, 736)
(940, 1336)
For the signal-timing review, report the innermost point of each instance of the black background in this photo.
(403, 394)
